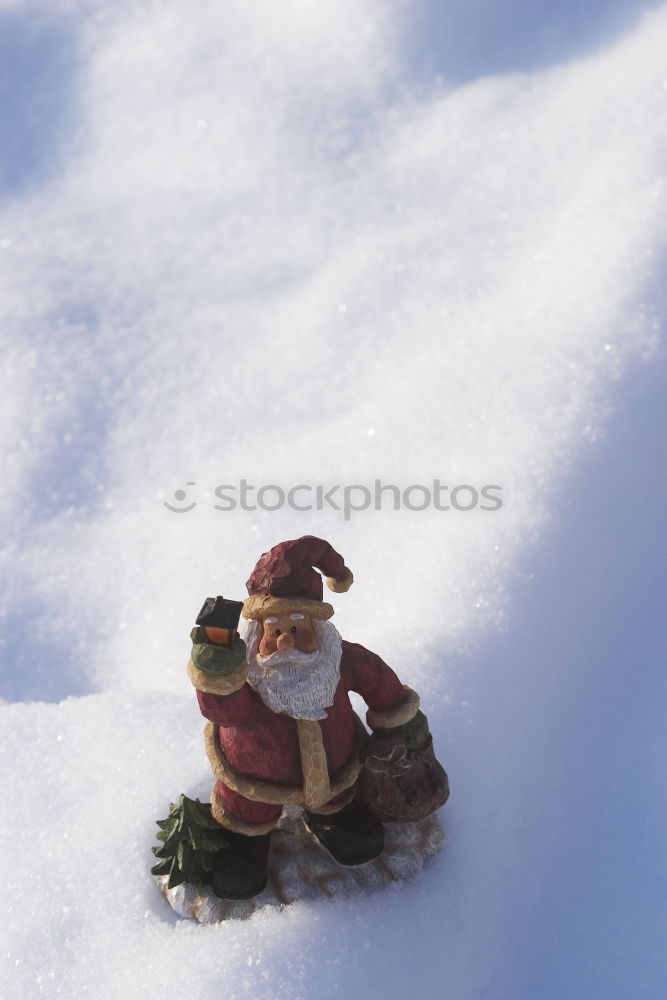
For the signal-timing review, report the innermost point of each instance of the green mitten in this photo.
(214, 658)
(415, 733)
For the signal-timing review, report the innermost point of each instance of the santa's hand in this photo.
(401, 779)
(413, 734)
(213, 658)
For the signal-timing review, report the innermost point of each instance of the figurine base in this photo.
(300, 868)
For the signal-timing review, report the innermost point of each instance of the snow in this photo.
(329, 243)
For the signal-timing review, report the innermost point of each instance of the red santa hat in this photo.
(285, 579)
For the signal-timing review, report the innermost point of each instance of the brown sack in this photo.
(401, 785)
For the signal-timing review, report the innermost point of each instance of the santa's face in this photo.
(285, 632)
(299, 673)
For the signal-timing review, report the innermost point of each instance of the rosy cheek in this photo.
(306, 641)
(267, 645)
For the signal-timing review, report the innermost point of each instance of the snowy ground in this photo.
(329, 242)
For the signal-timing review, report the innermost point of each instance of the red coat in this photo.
(263, 744)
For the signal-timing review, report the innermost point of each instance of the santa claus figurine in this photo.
(282, 731)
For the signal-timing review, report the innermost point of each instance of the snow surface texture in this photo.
(328, 242)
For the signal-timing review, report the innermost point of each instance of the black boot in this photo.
(240, 870)
(352, 836)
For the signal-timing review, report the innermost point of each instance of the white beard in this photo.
(301, 685)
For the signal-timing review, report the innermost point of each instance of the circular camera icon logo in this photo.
(180, 496)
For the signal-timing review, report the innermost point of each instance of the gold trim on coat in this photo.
(398, 716)
(231, 822)
(216, 683)
(271, 792)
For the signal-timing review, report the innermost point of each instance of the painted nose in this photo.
(285, 642)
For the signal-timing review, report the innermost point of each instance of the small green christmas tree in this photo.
(191, 838)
